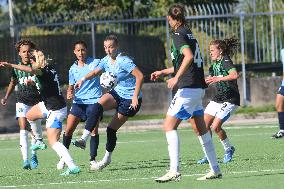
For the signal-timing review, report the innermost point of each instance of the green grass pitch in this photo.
(141, 156)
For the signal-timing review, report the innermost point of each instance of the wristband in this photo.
(83, 78)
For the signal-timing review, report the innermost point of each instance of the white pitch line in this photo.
(132, 179)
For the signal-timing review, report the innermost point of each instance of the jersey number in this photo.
(197, 56)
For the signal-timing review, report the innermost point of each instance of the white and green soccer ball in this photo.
(108, 80)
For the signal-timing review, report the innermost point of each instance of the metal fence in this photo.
(260, 34)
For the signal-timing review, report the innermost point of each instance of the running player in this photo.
(224, 74)
(126, 97)
(279, 104)
(53, 108)
(83, 100)
(187, 102)
(27, 96)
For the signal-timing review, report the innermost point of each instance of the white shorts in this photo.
(186, 103)
(54, 118)
(220, 110)
(22, 109)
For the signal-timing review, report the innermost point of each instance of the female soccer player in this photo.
(53, 108)
(279, 104)
(27, 96)
(223, 73)
(126, 97)
(187, 102)
(83, 100)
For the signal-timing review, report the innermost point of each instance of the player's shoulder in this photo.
(227, 59)
(123, 58)
(94, 61)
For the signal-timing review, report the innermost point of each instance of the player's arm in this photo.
(9, 91)
(70, 92)
(89, 76)
(161, 73)
(187, 60)
(139, 81)
(22, 68)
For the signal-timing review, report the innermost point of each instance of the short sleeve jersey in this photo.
(227, 91)
(28, 93)
(50, 90)
(90, 92)
(194, 75)
(122, 68)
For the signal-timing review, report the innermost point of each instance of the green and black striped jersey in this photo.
(227, 91)
(194, 75)
(28, 92)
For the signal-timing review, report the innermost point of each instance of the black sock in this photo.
(111, 139)
(67, 140)
(93, 120)
(281, 120)
(94, 144)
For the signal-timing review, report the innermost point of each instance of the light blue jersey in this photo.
(282, 60)
(90, 91)
(122, 68)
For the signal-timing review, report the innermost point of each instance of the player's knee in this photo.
(217, 129)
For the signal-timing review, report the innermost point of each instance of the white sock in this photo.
(173, 148)
(63, 154)
(33, 141)
(107, 157)
(85, 135)
(36, 128)
(24, 143)
(282, 130)
(226, 144)
(209, 150)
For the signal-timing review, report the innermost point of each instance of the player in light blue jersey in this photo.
(126, 97)
(84, 100)
(279, 104)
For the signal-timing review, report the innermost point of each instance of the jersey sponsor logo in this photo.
(25, 80)
(190, 36)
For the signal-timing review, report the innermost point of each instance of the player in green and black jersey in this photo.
(52, 108)
(27, 96)
(224, 75)
(187, 102)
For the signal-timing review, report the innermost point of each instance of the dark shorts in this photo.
(281, 90)
(123, 105)
(82, 111)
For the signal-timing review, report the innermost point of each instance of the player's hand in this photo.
(4, 101)
(155, 75)
(5, 64)
(30, 82)
(214, 79)
(134, 103)
(78, 84)
(69, 95)
(208, 80)
(172, 82)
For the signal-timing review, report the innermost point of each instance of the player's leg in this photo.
(279, 105)
(72, 122)
(223, 114)
(208, 121)
(21, 110)
(117, 121)
(94, 144)
(106, 102)
(54, 127)
(170, 128)
(24, 142)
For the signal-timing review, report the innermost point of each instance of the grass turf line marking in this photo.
(133, 179)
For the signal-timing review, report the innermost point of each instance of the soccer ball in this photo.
(108, 80)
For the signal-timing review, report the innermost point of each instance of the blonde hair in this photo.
(40, 60)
